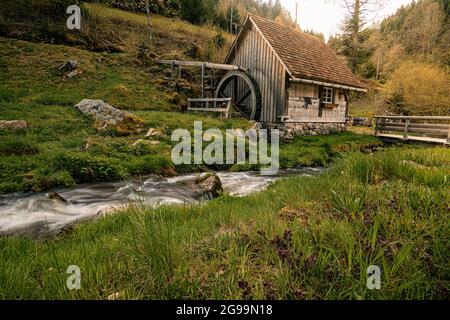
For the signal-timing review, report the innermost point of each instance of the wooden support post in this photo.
(405, 133)
(448, 136)
(203, 80)
(235, 90)
(172, 74)
(377, 126)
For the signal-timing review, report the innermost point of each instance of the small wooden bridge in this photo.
(435, 130)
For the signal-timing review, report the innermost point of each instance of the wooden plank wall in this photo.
(252, 52)
(337, 113)
(298, 112)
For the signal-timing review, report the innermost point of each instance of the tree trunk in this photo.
(356, 26)
(147, 8)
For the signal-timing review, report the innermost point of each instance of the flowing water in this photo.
(38, 215)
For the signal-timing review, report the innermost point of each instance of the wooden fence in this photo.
(220, 105)
(418, 129)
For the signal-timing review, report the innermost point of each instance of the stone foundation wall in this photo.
(288, 130)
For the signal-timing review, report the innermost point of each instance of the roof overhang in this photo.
(327, 84)
(234, 45)
(232, 50)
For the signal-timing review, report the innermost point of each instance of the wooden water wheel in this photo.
(244, 93)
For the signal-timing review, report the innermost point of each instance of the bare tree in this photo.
(149, 25)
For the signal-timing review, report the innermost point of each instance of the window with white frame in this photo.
(327, 95)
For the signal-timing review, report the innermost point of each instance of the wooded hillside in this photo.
(217, 12)
(405, 57)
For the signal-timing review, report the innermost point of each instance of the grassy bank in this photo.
(52, 151)
(304, 238)
(61, 147)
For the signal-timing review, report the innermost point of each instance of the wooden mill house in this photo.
(280, 77)
(304, 87)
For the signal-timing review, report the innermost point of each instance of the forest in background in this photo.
(405, 58)
(216, 12)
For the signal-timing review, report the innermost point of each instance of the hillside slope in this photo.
(61, 147)
(32, 88)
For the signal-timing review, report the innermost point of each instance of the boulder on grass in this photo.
(68, 65)
(107, 117)
(152, 132)
(13, 125)
(146, 142)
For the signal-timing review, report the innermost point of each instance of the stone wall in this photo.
(288, 130)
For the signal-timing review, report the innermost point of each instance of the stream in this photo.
(38, 215)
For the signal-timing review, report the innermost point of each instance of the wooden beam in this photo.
(405, 132)
(406, 125)
(316, 120)
(377, 127)
(416, 139)
(420, 125)
(203, 80)
(209, 100)
(243, 98)
(327, 84)
(222, 110)
(413, 117)
(406, 129)
(208, 65)
(448, 136)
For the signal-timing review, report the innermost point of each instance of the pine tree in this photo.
(353, 33)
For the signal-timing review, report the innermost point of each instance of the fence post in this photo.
(172, 73)
(203, 79)
(405, 133)
(227, 114)
(377, 121)
(448, 136)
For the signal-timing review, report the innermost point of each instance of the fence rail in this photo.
(221, 105)
(414, 128)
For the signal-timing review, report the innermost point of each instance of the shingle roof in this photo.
(305, 56)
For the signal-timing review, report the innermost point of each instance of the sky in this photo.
(325, 16)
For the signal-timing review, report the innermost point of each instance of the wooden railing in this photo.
(221, 105)
(420, 129)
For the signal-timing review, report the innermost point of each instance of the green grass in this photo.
(321, 150)
(38, 158)
(32, 89)
(304, 238)
(51, 152)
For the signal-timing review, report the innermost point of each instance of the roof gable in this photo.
(304, 56)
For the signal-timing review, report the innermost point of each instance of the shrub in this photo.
(85, 167)
(17, 146)
(220, 41)
(41, 180)
(35, 20)
(163, 7)
(419, 89)
(149, 164)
